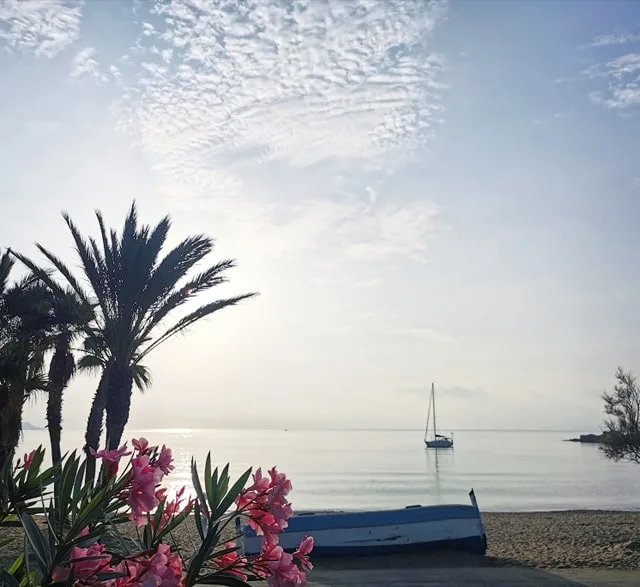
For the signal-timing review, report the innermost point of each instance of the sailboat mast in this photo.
(426, 430)
(433, 399)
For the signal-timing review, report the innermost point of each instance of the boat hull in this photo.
(439, 443)
(413, 528)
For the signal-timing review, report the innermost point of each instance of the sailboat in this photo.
(438, 440)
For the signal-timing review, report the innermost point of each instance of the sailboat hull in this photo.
(439, 443)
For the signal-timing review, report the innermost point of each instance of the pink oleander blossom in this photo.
(302, 553)
(111, 458)
(162, 569)
(141, 495)
(141, 445)
(165, 459)
(282, 568)
(264, 502)
(232, 563)
(28, 459)
(84, 571)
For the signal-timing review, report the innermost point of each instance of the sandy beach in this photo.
(545, 540)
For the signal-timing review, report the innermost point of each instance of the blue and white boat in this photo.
(413, 528)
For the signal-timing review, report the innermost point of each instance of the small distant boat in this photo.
(414, 528)
(438, 440)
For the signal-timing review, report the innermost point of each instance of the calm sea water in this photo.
(510, 471)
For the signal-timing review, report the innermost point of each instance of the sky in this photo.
(421, 192)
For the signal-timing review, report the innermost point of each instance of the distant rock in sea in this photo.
(28, 426)
(588, 438)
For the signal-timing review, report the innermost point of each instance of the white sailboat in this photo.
(438, 440)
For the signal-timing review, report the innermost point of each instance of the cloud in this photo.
(43, 27)
(84, 65)
(620, 74)
(455, 392)
(616, 39)
(214, 96)
(302, 84)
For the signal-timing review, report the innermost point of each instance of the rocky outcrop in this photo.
(588, 438)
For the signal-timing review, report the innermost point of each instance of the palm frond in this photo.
(141, 377)
(90, 267)
(202, 282)
(194, 317)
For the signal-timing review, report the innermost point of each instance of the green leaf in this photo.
(198, 487)
(171, 525)
(8, 579)
(37, 541)
(89, 513)
(238, 486)
(223, 485)
(209, 483)
(199, 526)
(17, 564)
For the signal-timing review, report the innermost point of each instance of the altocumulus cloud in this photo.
(222, 88)
(212, 91)
(620, 74)
(43, 27)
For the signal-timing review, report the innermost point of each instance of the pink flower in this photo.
(231, 563)
(164, 460)
(84, 570)
(265, 504)
(141, 495)
(141, 445)
(162, 569)
(28, 459)
(302, 553)
(111, 458)
(283, 570)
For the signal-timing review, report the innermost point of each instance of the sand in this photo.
(545, 540)
(562, 540)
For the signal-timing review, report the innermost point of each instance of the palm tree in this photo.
(133, 290)
(69, 314)
(25, 322)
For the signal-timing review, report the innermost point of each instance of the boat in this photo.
(438, 440)
(411, 529)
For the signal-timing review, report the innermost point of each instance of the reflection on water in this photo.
(386, 469)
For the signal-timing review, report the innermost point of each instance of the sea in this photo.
(376, 469)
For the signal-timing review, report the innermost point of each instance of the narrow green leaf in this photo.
(208, 482)
(198, 517)
(8, 579)
(17, 564)
(198, 487)
(37, 541)
(223, 485)
(6, 541)
(238, 486)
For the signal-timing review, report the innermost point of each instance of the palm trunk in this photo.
(54, 423)
(11, 403)
(60, 372)
(118, 403)
(94, 424)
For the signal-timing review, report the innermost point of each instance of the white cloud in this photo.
(85, 65)
(217, 90)
(616, 39)
(44, 27)
(620, 74)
